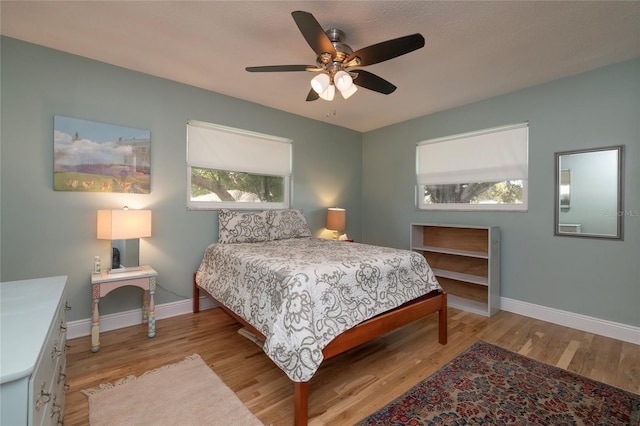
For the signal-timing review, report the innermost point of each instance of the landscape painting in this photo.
(97, 157)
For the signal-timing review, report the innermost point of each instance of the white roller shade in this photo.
(491, 155)
(224, 148)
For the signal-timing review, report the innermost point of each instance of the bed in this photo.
(309, 299)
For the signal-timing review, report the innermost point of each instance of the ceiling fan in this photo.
(338, 64)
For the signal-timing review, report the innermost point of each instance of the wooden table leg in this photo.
(152, 307)
(301, 399)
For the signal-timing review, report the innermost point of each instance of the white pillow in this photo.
(242, 227)
(288, 223)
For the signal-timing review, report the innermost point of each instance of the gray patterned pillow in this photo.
(289, 223)
(242, 227)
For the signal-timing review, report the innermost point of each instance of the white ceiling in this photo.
(474, 49)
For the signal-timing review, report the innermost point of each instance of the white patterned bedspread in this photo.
(302, 292)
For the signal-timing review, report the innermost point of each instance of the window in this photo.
(483, 170)
(232, 168)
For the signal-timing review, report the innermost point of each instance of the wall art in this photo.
(89, 156)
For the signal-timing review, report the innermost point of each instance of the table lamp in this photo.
(336, 220)
(125, 224)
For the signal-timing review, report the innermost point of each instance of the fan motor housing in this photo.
(337, 38)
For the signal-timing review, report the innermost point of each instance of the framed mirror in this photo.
(125, 254)
(589, 193)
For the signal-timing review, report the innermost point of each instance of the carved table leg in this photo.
(95, 326)
(152, 307)
(145, 306)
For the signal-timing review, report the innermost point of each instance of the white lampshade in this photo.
(123, 224)
(350, 91)
(328, 94)
(342, 80)
(320, 83)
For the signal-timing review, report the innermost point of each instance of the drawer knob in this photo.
(67, 307)
(55, 408)
(63, 377)
(43, 398)
(55, 352)
(62, 328)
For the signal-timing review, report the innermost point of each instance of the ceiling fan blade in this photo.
(278, 68)
(313, 33)
(312, 96)
(373, 82)
(387, 49)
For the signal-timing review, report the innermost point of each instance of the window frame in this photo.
(420, 187)
(235, 205)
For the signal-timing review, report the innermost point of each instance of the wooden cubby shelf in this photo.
(466, 262)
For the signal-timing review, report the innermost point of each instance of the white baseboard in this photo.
(606, 328)
(126, 319)
(627, 333)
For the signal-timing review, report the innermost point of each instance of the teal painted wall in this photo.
(46, 232)
(597, 278)
(43, 232)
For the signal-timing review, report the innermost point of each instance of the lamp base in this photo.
(124, 269)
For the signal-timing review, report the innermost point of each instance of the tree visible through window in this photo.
(483, 170)
(506, 192)
(232, 168)
(208, 184)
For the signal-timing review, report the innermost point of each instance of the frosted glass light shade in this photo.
(350, 91)
(123, 224)
(320, 83)
(343, 81)
(328, 94)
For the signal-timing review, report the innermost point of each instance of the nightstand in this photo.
(103, 283)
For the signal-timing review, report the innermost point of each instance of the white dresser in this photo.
(32, 351)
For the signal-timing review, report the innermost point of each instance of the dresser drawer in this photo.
(52, 413)
(50, 410)
(47, 400)
(56, 407)
(32, 351)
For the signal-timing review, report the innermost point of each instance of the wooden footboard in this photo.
(361, 333)
(196, 296)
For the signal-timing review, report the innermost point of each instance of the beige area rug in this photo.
(185, 393)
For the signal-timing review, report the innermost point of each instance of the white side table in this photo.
(103, 283)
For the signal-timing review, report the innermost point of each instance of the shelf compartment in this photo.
(466, 262)
(455, 252)
(465, 289)
(467, 304)
(456, 238)
(471, 269)
(457, 276)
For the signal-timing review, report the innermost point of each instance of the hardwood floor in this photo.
(350, 386)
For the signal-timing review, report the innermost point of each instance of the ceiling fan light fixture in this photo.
(350, 91)
(334, 59)
(320, 83)
(328, 94)
(343, 80)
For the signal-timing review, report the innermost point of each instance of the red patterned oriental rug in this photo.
(488, 385)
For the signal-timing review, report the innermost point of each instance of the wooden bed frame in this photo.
(361, 333)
